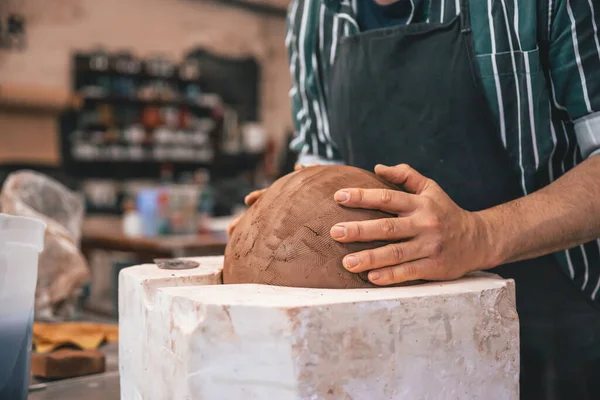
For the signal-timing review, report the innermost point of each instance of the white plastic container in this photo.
(21, 242)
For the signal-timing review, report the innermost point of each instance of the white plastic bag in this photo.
(63, 270)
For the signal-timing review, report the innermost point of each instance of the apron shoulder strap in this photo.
(543, 23)
(544, 33)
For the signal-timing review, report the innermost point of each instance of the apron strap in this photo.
(465, 19)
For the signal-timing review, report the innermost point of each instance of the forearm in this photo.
(564, 214)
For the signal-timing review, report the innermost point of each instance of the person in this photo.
(487, 114)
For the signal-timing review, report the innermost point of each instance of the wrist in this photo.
(489, 239)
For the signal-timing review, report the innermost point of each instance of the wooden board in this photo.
(67, 363)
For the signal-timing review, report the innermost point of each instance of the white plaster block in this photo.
(452, 340)
(138, 286)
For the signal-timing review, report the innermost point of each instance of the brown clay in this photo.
(284, 237)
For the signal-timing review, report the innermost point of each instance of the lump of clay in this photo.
(284, 237)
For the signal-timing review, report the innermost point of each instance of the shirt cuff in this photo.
(594, 153)
(311, 159)
(587, 130)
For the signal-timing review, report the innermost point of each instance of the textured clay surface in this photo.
(284, 237)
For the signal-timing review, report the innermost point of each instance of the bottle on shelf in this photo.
(189, 72)
(166, 174)
(231, 140)
(99, 59)
(163, 212)
(206, 200)
(254, 138)
(132, 221)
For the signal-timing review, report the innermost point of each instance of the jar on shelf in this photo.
(134, 134)
(151, 117)
(126, 63)
(99, 59)
(254, 138)
(159, 66)
(106, 114)
(185, 118)
(170, 116)
(189, 72)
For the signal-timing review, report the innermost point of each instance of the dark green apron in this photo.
(412, 94)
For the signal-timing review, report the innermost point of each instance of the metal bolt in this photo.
(175, 263)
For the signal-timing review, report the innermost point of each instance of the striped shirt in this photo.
(540, 65)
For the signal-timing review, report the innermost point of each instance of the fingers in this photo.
(391, 254)
(249, 200)
(405, 176)
(233, 224)
(253, 197)
(298, 167)
(392, 201)
(387, 229)
(409, 271)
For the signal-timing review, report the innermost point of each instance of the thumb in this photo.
(403, 175)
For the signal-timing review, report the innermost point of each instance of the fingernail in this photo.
(342, 196)
(374, 275)
(351, 262)
(338, 231)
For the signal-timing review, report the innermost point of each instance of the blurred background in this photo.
(135, 128)
(161, 114)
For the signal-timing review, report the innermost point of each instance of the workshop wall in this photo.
(56, 28)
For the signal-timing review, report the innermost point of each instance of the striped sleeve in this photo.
(574, 57)
(311, 138)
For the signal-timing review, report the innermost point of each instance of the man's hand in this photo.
(251, 199)
(434, 239)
